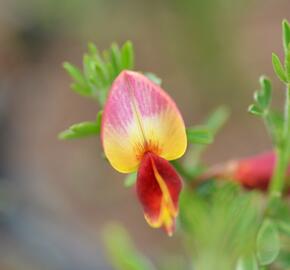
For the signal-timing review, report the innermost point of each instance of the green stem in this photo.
(282, 153)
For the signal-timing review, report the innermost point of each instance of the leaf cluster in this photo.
(283, 71)
(100, 70)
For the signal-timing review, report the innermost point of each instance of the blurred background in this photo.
(55, 196)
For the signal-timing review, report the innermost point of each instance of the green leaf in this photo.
(268, 243)
(287, 63)
(116, 59)
(74, 72)
(265, 95)
(81, 89)
(127, 53)
(247, 263)
(284, 227)
(130, 179)
(199, 135)
(100, 70)
(79, 130)
(217, 119)
(123, 254)
(154, 78)
(83, 129)
(286, 34)
(278, 68)
(255, 110)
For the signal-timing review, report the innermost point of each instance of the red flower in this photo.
(141, 130)
(254, 172)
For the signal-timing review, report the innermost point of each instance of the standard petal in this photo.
(158, 188)
(140, 117)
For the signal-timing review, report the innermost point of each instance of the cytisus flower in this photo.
(142, 129)
(253, 172)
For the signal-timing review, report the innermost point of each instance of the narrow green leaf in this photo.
(286, 34)
(127, 53)
(92, 49)
(116, 59)
(82, 130)
(255, 110)
(68, 135)
(266, 90)
(278, 68)
(287, 63)
(268, 243)
(74, 72)
(199, 135)
(154, 78)
(247, 263)
(217, 119)
(83, 90)
(130, 179)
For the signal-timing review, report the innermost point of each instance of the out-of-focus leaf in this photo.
(284, 227)
(127, 55)
(213, 123)
(283, 260)
(83, 129)
(286, 34)
(154, 78)
(255, 110)
(220, 225)
(130, 179)
(287, 64)
(80, 130)
(217, 119)
(278, 68)
(247, 263)
(121, 251)
(100, 70)
(263, 97)
(199, 135)
(74, 72)
(268, 242)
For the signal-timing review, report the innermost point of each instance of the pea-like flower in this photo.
(142, 129)
(253, 172)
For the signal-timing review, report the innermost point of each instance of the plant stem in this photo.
(282, 153)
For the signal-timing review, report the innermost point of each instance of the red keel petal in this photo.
(158, 188)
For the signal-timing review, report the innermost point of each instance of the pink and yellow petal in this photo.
(139, 117)
(158, 188)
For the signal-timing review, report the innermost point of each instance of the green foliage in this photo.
(199, 135)
(278, 68)
(262, 98)
(121, 251)
(247, 263)
(82, 130)
(100, 70)
(286, 35)
(153, 77)
(220, 225)
(268, 243)
(130, 179)
(217, 119)
(255, 110)
(214, 122)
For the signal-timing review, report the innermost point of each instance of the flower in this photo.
(142, 129)
(253, 172)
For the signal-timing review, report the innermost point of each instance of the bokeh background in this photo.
(56, 197)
